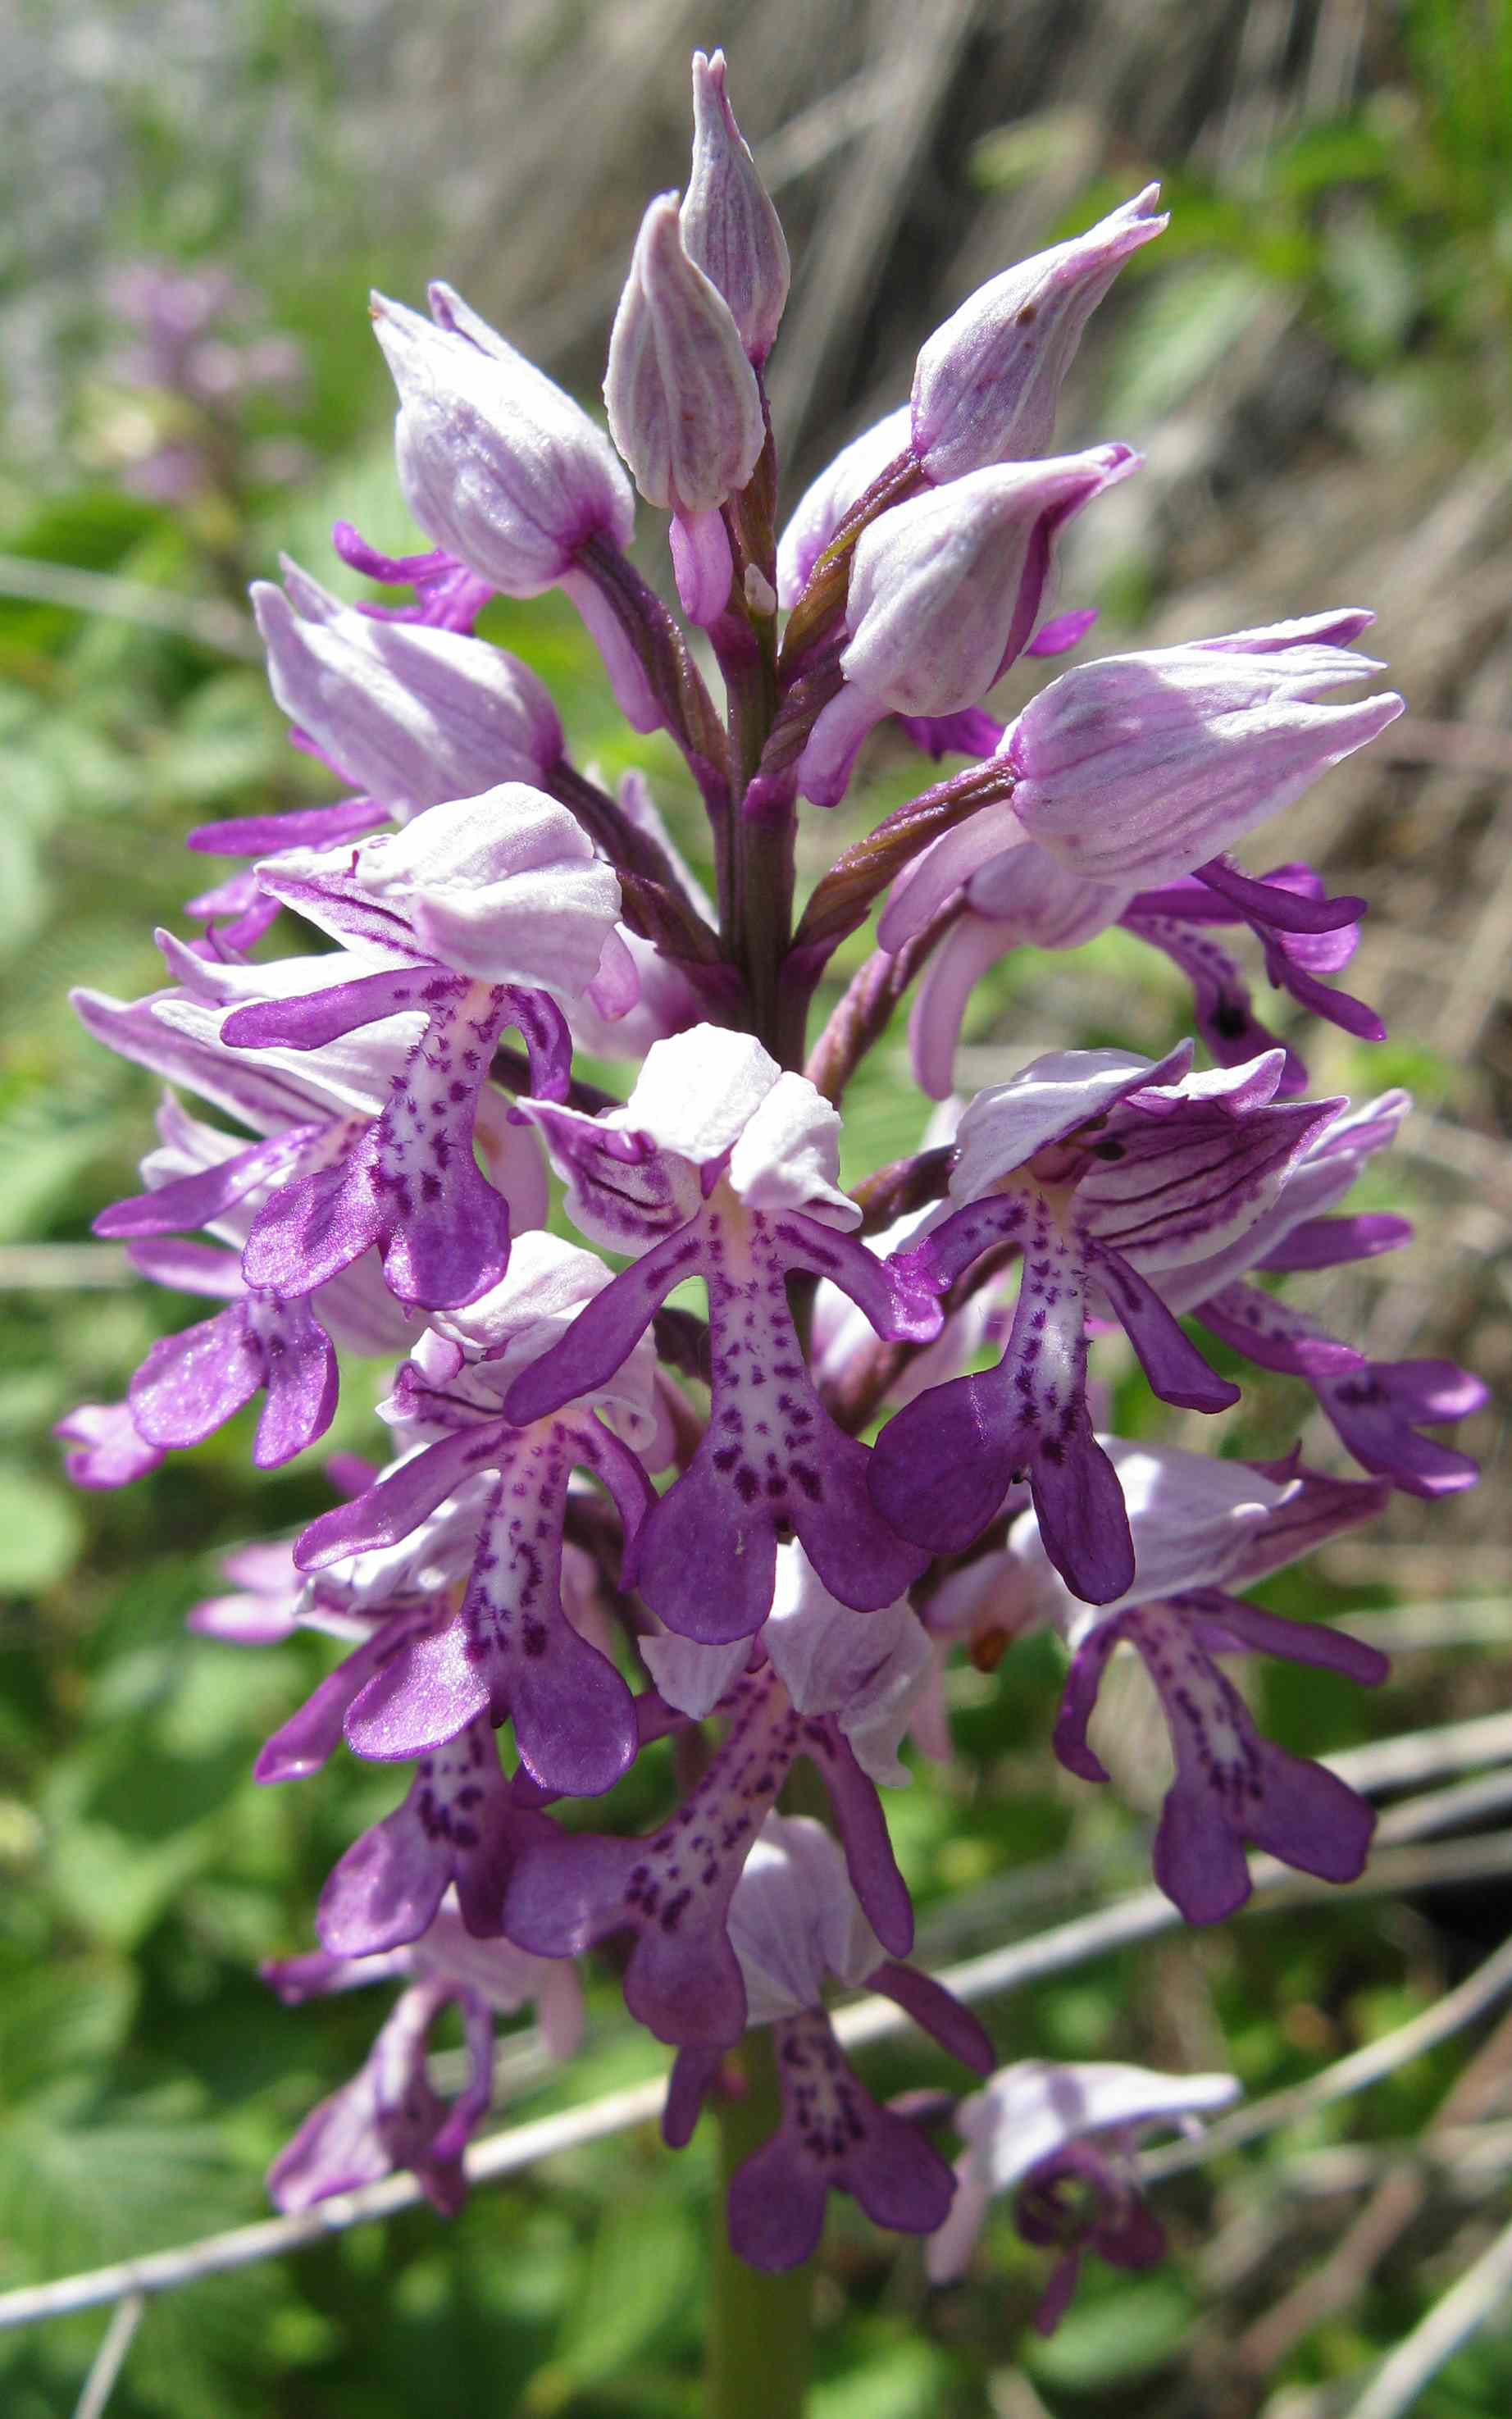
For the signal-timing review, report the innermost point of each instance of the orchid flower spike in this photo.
(710, 1493)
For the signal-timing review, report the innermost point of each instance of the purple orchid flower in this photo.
(1153, 764)
(462, 915)
(511, 476)
(1064, 2139)
(108, 1448)
(1175, 920)
(1377, 1407)
(459, 1825)
(510, 1651)
(794, 1925)
(945, 591)
(389, 2115)
(312, 1108)
(1097, 1167)
(724, 1167)
(1022, 896)
(1140, 769)
(190, 1384)
(1201, 1527)
(497, 463)
(672, 1889)
(411, 715)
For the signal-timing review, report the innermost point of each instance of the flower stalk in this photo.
(761, 2325)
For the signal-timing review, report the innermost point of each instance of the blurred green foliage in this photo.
(146, 2076)
(1388, 227)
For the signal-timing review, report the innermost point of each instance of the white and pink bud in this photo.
(682, 403)
(944, 595)
(1143, 766)
(411, 715)
(682, 397)
(731, 229)
(497, 464)
(987, 383)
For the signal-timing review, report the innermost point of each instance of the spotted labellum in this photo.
(702, 1449)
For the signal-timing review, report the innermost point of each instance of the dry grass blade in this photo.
(1466, 2150)
(111, 2358)
(1462, 2312)
(1356, 2072)
(210, 623)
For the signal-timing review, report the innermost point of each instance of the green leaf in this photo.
(642, 2267)
(62, 2019)
(41, 1532)
(1121, 2334)
(902, 2379)
(1373, 286)
(1188, 323)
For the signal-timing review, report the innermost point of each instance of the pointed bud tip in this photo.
(711, 96)
(451, 314)
(658, 237)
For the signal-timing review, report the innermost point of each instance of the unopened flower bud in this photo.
(945, 591)
(987, 383)
(1141, 768)
(729, 227)
(496, 462)
(682, 397)
(682, 402)
(411, 715)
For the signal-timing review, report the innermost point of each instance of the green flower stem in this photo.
(760, 2327)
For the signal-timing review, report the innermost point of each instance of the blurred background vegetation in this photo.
(1316, 362)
